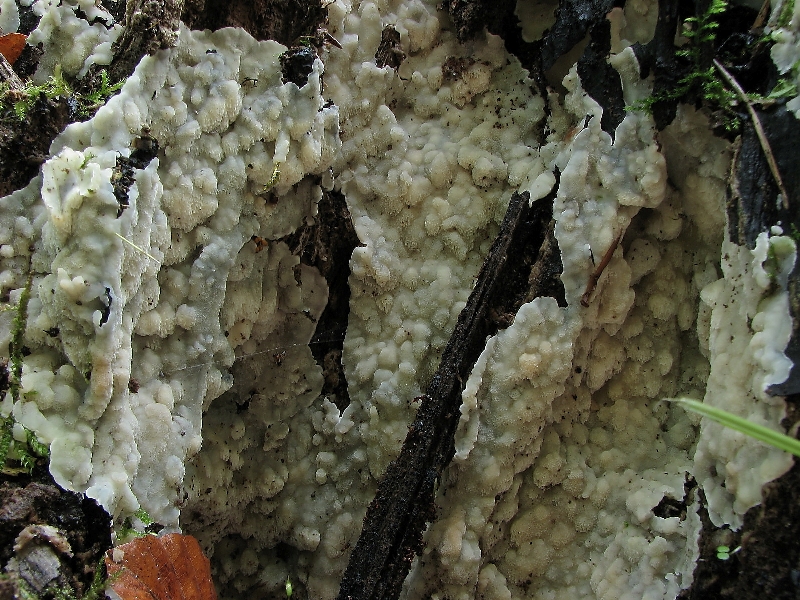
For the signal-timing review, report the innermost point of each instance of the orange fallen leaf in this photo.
(170, 567)
(12, 45)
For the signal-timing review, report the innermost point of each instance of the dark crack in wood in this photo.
(327, 244)
(600, 80)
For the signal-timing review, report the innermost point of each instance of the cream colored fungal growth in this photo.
(784, 28)
(747, 332)
(169, 364)
(147, 302)
(429, 159)
(564, 449)
(70, 43)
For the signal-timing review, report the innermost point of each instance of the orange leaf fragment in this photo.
(12, 45)
(170, 567)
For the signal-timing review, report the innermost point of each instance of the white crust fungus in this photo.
(150, 301)
(70, 43)
(747, 333)
(564, 447)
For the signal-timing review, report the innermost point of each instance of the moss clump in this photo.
(18, 444)
(21, 101)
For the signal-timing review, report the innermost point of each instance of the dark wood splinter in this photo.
(404, 502)
(595, 276)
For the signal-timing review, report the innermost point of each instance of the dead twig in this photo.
(595, 276)
(762, 137)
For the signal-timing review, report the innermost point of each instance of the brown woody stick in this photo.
(595, 276)
(762, 136)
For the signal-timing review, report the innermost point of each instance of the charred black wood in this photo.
(281, 20)
(143, 150)
(600, 80)
(150, 26)
(389, 53)
(754, 206)
(297, 64)
(471, 16)
(574, 19)
(658, 56)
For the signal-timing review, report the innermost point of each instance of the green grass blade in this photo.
(754, 430)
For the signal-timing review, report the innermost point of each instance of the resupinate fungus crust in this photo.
(163, 390)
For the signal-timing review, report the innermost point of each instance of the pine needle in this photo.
(127, 241)
(762, 136)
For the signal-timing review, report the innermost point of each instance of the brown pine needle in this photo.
(595, 276)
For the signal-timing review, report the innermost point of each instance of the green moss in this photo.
(787, 10)
(99, 581)
(702, 81)
(20, 102)
(794, 233)
(91, 101)
(24, 454)
(130, 529)
(783, 89)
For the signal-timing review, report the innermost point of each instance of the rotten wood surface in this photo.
(404, 502)
(150, 26)
(10, 77)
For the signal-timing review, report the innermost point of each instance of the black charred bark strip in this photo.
(753, 207)
(24, 147)
(389, 52)
(145, 149)
(281, 20)
(297, 64)
(574, 18)
(404, 503)
(533, 267)
(544, 278)
(526, 52)
(600, 80)
(471, 16)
